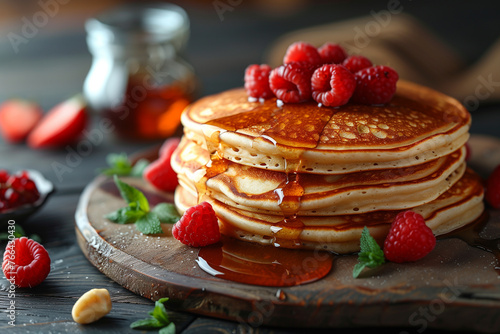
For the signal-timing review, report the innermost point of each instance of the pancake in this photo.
(418, 125)
(306, 176)
(261, 190)
(458, 206)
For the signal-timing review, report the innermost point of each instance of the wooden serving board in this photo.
(456, 287)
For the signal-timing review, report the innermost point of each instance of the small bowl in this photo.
(45, 188)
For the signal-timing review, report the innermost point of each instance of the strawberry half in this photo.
(18, 118)
(61, 126)
(160, 173)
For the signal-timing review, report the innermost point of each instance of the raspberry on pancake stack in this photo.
(332, 149)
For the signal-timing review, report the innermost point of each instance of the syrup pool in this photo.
(250, 263)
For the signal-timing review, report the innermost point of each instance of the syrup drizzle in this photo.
(255, 264)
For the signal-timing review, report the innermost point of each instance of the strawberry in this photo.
(492, 193)
(198, 226)
(18, 118)
(159, 173)
(409, 238)
(61, 126)
(26, 263)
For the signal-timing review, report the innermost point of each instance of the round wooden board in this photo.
(448, 289)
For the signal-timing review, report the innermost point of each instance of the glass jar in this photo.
(138, 78)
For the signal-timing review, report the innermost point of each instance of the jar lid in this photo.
(139, 24)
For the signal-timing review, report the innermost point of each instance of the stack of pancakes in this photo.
(306, 176)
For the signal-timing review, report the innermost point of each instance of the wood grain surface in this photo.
(455, 279)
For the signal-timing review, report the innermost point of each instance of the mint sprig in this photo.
(138, 211)
(158, 319)
(371, 255)
(119, 164)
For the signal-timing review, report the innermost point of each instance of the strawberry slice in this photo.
(160, 173)
(61, 126)
(17, 119)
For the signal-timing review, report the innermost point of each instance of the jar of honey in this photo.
(139, 78)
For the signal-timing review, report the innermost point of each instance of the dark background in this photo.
(54, 63)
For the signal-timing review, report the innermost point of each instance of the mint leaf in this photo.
(137, 211)
(160, 313)
(126, 215)
(139, 167)
(170, 329)
(358, 268)
(159, 319)
(132, 195)
(150, 323)
(167, 213)
(119, 164)
(370, 255)
(149, 224)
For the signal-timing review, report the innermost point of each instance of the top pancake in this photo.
(419, 124)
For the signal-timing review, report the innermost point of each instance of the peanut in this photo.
(91, 306)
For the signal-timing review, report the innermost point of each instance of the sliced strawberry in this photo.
(169, 146)
(160, 173)
(18, 118)
(61, 126)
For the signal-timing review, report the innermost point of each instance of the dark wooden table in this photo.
(52, 66)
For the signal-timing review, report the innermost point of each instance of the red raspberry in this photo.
(159, 173)
(26, 263)
(332, 85)
(357, 63)
(257, 81)
(302, 51)
(332, 53)
(375, 85)
(492, 193)
(291, 83)
(409, 238)
(198, 226)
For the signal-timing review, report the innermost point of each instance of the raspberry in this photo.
(375, 85)
(357, 63)
(26, 263)
(291, 83)
(257, 81)
(302, 51)
(332, 53)
(492, 193)
(332, 85)
(409, 238)
(198, 226)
